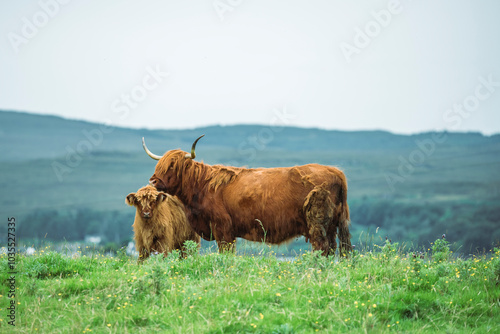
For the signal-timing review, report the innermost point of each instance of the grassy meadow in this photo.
(381, 290)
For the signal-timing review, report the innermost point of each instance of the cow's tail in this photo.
(344, 221)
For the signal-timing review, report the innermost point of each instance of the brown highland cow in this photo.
(258, 204)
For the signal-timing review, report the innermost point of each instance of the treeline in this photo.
(470, 226)
(76, 225)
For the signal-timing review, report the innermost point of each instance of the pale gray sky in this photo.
(349, 65)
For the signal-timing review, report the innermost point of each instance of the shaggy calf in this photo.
(160, 222)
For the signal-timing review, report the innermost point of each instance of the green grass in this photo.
(383, 290)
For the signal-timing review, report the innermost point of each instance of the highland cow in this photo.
(160, 222)
(258, 204)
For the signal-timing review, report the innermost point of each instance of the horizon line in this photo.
(45, 114)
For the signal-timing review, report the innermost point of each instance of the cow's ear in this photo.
(161, 197)
(130, 199)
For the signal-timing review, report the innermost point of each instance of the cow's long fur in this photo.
(271, 204)
(166, 228)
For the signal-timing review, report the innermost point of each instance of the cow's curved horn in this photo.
(193, 155)
(152, 155)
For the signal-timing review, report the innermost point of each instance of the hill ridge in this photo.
(25, 136)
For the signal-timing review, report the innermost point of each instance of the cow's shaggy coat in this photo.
(271, 204)
(160, 222)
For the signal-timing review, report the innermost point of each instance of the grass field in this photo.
(384, 289)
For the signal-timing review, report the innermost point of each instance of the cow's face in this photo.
(146, 201)
(170, 168)
(168, 172)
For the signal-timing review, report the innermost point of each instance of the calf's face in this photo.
(146, 200)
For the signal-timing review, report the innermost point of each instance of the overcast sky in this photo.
(403, 66)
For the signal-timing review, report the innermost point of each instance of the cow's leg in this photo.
(331, 234)
(223, 235)
(344, 234)
(318, 209)
(344, 239)
(225, 246)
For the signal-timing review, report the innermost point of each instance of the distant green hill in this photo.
(67, 179)
(27, 136)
